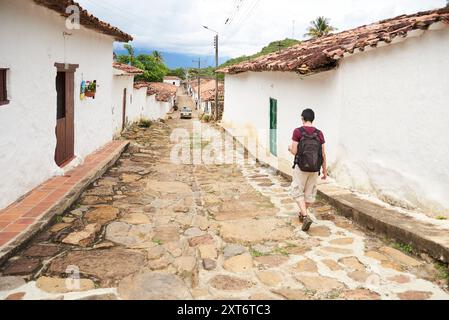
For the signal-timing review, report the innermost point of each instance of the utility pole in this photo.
(199, 83)
(216, 78)
(215, 110)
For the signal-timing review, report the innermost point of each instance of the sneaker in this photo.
(306, 224)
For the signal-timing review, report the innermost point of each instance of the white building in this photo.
(208, 95)
(176, 81)
(380, 93)
(126, 109)
(192, 88)
(45, 121)
(158, 99)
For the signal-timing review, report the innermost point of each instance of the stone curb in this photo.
(61, 206)
(422, 237)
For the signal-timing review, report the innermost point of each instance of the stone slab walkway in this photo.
(153, 229)
(22, 219)
(423, 233)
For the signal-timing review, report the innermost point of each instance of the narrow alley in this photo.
(153, 229)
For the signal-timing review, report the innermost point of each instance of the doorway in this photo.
(124, 110)
(65, 126)
(273, 126)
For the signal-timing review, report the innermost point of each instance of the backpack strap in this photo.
(303, 132)
(318, 132)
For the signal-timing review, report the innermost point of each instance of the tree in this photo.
(447, 3)
(130, 50)
(178, 72)
(154, 69)
(158, 56)
(319, 27)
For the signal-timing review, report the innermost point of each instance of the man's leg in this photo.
(303, 206)
(298, 185)
(309, 197)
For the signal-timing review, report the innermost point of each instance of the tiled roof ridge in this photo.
(127, 68)
(320, 54)
(86, 19)
(162, 90)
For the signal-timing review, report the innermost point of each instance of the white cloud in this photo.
(176, 25)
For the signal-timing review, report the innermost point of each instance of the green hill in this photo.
(272, 47)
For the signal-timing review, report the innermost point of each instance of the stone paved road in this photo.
(152, 229)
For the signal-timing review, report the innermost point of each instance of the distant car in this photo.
(186, 113)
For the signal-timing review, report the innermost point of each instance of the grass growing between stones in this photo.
(443, 271)
(281, 251)
(254, 253)
(158, 242)
(405, 248)
(334, 294)
(144, 123)
(441, 218)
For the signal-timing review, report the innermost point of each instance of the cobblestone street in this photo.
(152, 229)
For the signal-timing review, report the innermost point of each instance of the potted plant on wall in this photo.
(91, 89)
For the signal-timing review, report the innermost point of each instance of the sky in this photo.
(175, 27)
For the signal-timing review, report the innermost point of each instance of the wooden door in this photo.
(65, 125)
(273, 126)
(124, 109)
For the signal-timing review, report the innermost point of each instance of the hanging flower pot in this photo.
(90, 94)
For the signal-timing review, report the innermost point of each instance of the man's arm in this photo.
(324, 163)
(293, 148)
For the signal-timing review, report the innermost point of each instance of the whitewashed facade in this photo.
(127, 104)
(384, 113)
(28, 121)
(173, 80)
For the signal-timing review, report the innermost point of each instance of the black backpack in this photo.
(309, 157)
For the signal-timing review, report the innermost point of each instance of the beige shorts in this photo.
(304, 185)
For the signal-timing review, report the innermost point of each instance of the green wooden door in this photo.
(273, 126)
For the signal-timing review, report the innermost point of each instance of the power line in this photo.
(239, 4)
(248, 13)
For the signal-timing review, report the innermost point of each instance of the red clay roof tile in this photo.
(86, 19)
(127, 68)
(321, 54)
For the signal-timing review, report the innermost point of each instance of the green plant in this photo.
(281, 251)
(143, 123)
(406, 248)
(309, 292)
(255, 253)
(157, 241)
(319, 27)
(441, 218)
(291, 245)
(58, 219)
(205, 118)
(443, 271)
(334, 294)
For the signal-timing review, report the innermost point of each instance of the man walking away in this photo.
(310, 157)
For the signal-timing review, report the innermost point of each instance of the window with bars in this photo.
(3, 87)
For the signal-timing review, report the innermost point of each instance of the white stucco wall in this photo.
(119, 83)
(32, 40)
(247, 108)
(173, 82)
(396, 102)
(155, 110)
(139, 103)
(384, 114)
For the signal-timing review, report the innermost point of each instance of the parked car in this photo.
(186, 113)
